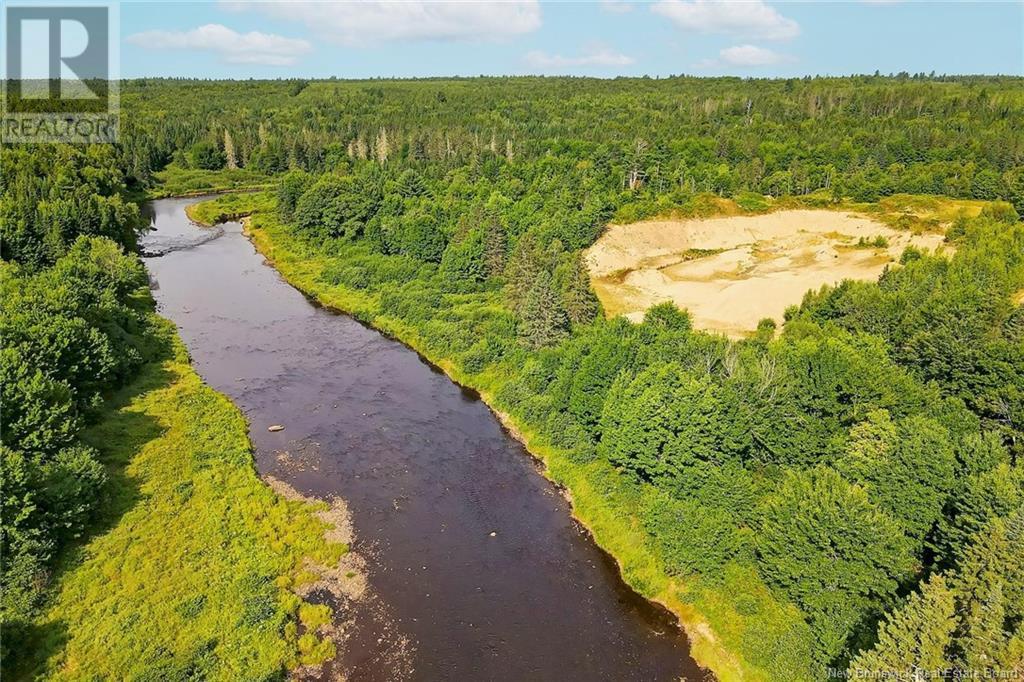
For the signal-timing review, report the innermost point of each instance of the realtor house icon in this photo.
(60, 80)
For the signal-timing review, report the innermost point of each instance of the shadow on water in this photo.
(476, 569)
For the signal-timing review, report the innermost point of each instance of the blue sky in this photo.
(243, 38)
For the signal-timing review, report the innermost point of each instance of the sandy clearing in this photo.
(732, 272)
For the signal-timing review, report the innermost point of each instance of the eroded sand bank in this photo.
(732, 272)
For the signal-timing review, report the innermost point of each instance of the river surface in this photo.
(475, 567)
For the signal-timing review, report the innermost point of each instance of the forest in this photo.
(845, 491)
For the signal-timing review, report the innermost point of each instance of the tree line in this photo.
(660, 139)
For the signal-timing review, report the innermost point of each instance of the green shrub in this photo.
(414, 304)
(352, 276)
(751, 202)
(692, 538)
(206, 156)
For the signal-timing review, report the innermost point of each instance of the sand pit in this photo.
(732, 272)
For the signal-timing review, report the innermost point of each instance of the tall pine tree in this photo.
(914, 640)
(495, 245)
(574, 283)
(544, 322)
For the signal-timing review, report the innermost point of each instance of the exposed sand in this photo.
(732, 272)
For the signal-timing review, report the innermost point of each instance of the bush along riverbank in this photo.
(137, 540)
(603, 501)
(715, 471)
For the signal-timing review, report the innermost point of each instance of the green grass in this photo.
(920, 213)
(175, 181)
(876, 242)
(752, 202)
(187, 574)
(229, 207)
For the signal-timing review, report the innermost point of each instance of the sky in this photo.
(411, 38)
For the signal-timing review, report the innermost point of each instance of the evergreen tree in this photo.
(495, 245)
(990, 591)
(524, 266)
(544, 321)
(229, 150)
(410, 184)
(914, 640)
(975, 501)
(574, 282)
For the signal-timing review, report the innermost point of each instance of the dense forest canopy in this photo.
(865, 137)
(847, 490)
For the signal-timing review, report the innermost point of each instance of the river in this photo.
(476, 569)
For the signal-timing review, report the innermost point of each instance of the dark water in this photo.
(428, 474)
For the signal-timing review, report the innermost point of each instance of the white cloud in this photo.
(751, 18)
(594, 56)
(373, 22)
(750, 55)
(745, 56)
(236, 48)
(617, 6)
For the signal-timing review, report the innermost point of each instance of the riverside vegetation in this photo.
(137, 540)
(845, 491)
(814, 464)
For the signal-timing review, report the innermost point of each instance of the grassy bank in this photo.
(175, 181)
(189, 572)
(228, 207)
(737, 627)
